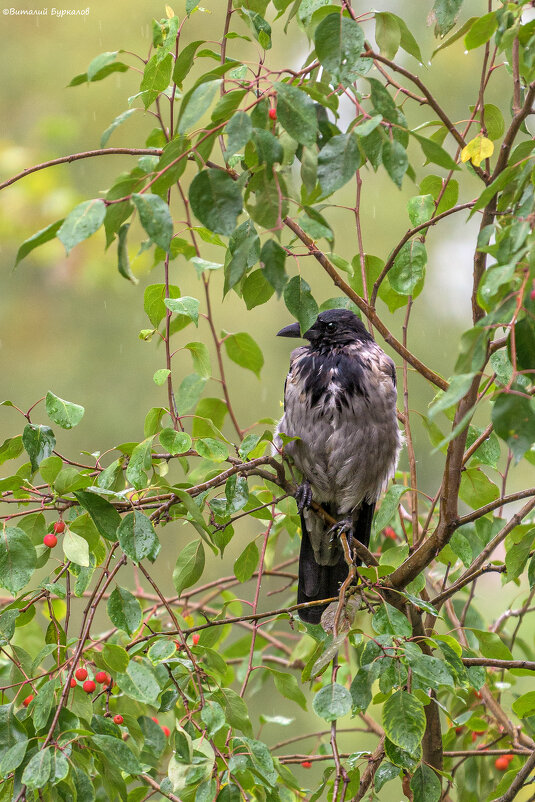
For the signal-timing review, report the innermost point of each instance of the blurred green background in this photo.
(70, 324)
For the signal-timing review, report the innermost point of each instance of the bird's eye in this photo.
(331, 326)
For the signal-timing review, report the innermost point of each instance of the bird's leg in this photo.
(344, 526)
(303, 496)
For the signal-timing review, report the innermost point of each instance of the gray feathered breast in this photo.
(342, 406)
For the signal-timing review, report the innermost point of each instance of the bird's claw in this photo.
(345, 526)
(303, 496)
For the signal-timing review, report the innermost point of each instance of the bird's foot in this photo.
(303, 496)
(344, 526)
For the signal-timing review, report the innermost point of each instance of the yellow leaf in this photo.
(477, 149)
(169, 11)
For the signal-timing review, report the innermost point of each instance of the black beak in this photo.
(292, 330)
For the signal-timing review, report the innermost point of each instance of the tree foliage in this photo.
(249, 160)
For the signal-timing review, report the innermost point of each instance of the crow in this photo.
(340, 405)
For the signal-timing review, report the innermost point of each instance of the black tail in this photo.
(323, 581)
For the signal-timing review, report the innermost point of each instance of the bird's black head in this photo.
(333, 327)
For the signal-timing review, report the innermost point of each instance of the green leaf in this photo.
(448, 193)
(260, 28)
(43, 704)
(64, 413)
(518, 546)
(445, 13)
(476, 488)
(425, 784)
(288, 686)
(395, 160)
(524, 706)
(37, 772)
(156, 77)
(404, 721)
(75, 548)
(458, 387)
(239, 130)
(296, 113)
(256, 289)
(492, 645)
(141, 461)
(201, 359)
(100, 66)
(155, 218)
(137, 537)
(273, 259)
(435, 153)
(189, 566)
(123, 262)
(245, 565)
(124, 610)
(11, 449)
(389, 621)
(387, 34)
(175, 442)
(337, 162)
(117, 751)
(339, 42)
(186, 305)
(160, 376)
(13, 757)
(455, 36)
(84, 220)
(216, 200)
(430, 671)
(39, 443)
(408, 268)
(211, 449)
(300, 303)
(161, 650)
(115, 657)
(196, 103)
(189, 392)
(104, 515)
(17, 559)
(481, 31)
(154, 301)
(332, 702)
(420, 208)
(513, 417)
(42, 236)
(242, 349)
(121, 118)
(184, 61)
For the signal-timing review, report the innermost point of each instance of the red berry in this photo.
(389, 532)
(166, 731)
(501, 763)
(118, 719)
(50, 540)
(458, 730)
(306, 764)
(195, 638)
(28, 699)
(81, 674)
(89, 686)
(73, 682)
(101, 677)
(272, 113)
(509, 758)
(59, 527)
(532, 295)
(155, 720)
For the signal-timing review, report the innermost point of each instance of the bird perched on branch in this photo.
(340, 402)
